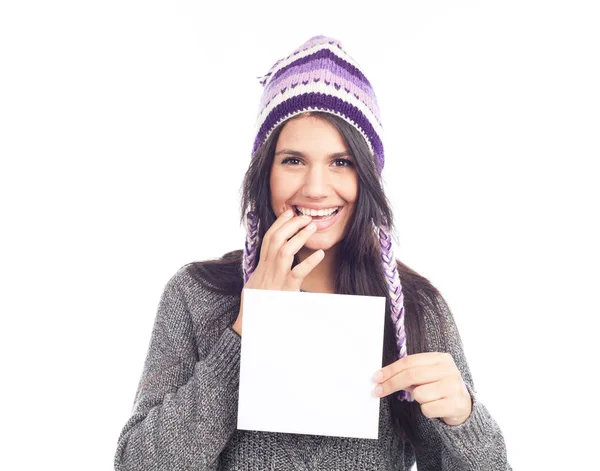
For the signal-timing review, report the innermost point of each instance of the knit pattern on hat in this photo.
(321, 76)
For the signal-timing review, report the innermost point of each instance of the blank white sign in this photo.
(307, 361)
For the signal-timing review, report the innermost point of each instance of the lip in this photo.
(322, 225)
(314, 206)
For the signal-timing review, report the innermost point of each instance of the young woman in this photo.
(318, 220)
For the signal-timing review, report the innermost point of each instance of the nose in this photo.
(316, 184)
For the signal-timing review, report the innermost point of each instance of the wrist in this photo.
(461, 419)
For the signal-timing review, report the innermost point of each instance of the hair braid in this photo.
(392, 277)
(251, 245)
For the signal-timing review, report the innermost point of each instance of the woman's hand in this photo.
(434, 381)
(281, 242)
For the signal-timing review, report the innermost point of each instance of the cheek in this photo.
(277, 189)
(277, 177)
(282, 187)
(350, 195)
(349, 191)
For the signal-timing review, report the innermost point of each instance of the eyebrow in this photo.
(300, 154)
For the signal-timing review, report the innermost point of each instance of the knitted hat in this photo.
(321, 76)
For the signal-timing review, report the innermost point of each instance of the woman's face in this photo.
(313, 170)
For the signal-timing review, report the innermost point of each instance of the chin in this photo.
(317, 242)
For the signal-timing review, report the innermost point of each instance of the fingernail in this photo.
(378, 376)
(311, 226)
(288, 213)
(378, 391)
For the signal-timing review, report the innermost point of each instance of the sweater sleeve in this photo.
(185, 409)
(478, 443)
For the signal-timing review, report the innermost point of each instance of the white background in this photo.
(125, 131)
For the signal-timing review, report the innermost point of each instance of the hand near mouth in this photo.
(281, 242)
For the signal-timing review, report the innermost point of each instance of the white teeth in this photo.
(314, 212)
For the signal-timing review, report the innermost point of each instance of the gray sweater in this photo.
(185, 410)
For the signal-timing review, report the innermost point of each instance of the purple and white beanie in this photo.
(321, 76)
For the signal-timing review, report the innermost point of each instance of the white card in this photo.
(307, 362)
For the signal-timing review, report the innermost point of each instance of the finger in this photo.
(286, 254)
(433, 391)
(436, 409)
(302, 269)
(409, 361)
(280, 221)
(283, 234)
(411, 377)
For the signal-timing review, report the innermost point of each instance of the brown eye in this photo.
(346, 162)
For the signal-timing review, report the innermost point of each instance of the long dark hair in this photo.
(359, 271)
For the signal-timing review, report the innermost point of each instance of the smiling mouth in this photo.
(319, 218)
